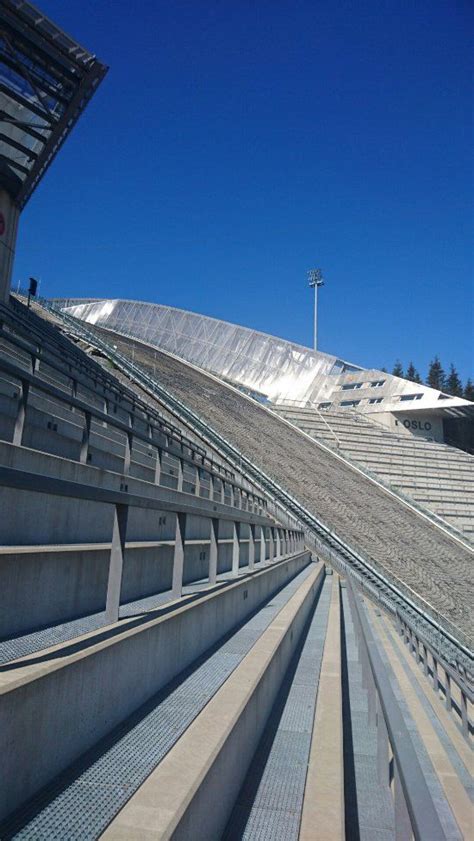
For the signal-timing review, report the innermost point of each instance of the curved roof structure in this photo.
(264, 364)
(276, 369)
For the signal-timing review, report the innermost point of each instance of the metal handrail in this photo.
(410, 782)
(411, 633)
(333, 431)
(395, 595)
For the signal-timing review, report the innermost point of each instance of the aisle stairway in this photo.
(271, 733)
(436, 476)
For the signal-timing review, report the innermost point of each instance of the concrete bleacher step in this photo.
(82, 690)
(86, 796)
(193, 792)
(295, 780)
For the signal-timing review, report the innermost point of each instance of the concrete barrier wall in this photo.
(51, 715)
(47, 587)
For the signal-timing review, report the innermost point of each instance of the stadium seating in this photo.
(172, 664)
(437, 476)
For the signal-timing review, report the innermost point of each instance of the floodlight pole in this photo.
(315, 280)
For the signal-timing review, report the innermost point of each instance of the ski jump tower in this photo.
(46, 81)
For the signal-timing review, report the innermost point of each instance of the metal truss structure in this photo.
(46, 81)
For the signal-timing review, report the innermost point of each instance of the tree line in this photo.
(437, 378)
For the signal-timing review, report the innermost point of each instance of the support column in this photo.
(222, 492)
(197, 483)
(180, 475)
(251, 546)
(261, 556)
(235, 548)
(21, 413)
(158, 466)
(277, 544)
(117, 554)
(73, 392)
(211, 487)
(86, 434)
(128, 453)
(9, 214)
(178, 556)
(270, 545)
(213, 550)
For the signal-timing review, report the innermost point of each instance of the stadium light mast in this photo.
(315, 277)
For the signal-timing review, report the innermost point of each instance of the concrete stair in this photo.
(257, 725)
(445, 473)
(83, 690)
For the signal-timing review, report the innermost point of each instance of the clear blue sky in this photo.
(235, 145)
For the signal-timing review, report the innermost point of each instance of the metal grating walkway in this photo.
(270, 802)
(80, 803)
(22, 646)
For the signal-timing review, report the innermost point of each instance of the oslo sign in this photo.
(422, 426)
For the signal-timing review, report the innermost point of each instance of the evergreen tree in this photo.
(397, 369)
(453, 384)
(412, 374)
(469, 390)
(436, 376)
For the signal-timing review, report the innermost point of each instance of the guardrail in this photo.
(281, 541)
(452, 644)
(398, 765)
(421, 647)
